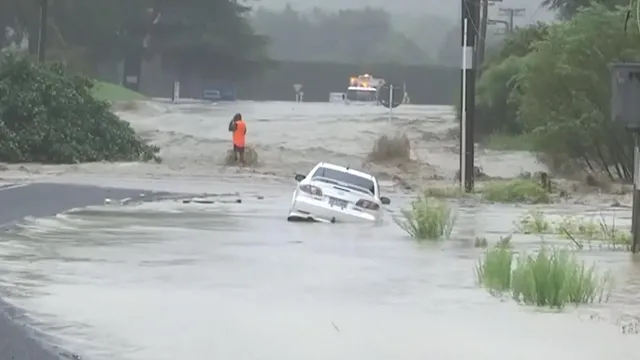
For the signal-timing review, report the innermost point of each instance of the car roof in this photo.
(345, 169)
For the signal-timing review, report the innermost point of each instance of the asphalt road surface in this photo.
(17, 340)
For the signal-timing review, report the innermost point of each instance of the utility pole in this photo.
(625, 90)
(482, 40)
(511, 13)
(42, 38)
(470, 26)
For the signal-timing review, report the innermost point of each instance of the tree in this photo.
(198, 33)
(352, 36)
(209, 37)
(563, 92)
(496, 110)
(568, 8)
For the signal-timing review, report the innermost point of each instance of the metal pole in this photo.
(42, 38)
(463, 102)
(636, 196)
(470, 22)
(390, 102)
(176, 92)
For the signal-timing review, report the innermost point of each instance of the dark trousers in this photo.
(239, 153)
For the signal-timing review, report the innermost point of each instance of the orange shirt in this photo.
(240, 133)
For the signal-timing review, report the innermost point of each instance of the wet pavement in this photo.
(225, 280)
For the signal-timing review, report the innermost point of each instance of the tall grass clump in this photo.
(555, 277)
(494, 269)
(427, 219)
(550, 278)
(516, 191)
(534, 222)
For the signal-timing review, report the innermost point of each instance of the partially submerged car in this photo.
(334, 193)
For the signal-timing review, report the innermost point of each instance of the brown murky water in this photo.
(169, 280)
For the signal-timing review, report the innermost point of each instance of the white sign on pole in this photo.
(297, 88)
(176, 92)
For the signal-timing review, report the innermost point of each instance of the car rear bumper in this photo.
(308, 209)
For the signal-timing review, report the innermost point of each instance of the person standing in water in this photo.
(238, 128)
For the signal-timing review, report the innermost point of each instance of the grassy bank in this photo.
(112, 92)
(503, 142)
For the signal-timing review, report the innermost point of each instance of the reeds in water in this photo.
(427, 219)
(552, 277)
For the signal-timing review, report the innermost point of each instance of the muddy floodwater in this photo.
(222, 279)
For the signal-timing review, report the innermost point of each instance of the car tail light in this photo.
(366, 204)
(312, 190)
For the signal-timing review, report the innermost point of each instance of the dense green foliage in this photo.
(553, 82)
(347, 36)
(568, 8)
(48, 116)
(189, 35)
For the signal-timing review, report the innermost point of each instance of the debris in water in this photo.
(203, 201)
(391, 148)
(335, 327)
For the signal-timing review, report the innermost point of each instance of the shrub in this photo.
(427, 219)
(516, 190)
(49, 116)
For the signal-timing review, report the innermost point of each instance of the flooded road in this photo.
(289, 137)
(227, 280)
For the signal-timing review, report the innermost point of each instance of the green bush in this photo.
(49, 116)
(427, 219)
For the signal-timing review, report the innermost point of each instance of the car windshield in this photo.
(346, 178)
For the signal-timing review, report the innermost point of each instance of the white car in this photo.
(333, 193)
